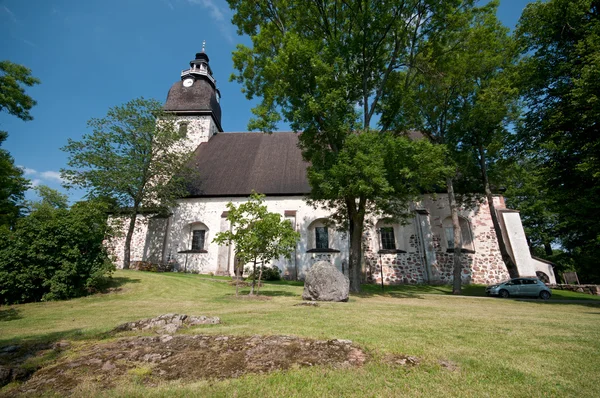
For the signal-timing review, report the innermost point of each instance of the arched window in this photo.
(467, 236)
(320, 237)
(183, 128)
(198, 236)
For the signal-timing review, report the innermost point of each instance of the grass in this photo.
(502, 347)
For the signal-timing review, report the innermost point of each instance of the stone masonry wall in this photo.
(484, 266)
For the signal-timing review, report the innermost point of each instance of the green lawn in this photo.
(502, 347)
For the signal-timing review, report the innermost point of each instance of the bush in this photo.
(54, 254)
(269, 273)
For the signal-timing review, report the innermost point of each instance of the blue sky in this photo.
(91, 55)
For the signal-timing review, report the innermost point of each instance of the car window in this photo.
(516, 282)
(528, 282)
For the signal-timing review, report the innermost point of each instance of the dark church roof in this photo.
(234, 164)
(200, 98)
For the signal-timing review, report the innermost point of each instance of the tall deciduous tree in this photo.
(258, 235)
(130, 157)
(12, 187)
(324, 67)
(463, 99)
(13, 80)
(561, 43)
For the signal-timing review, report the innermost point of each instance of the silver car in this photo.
(531, 287)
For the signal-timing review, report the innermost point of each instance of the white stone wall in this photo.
(199, 130)
(147, 241)
(485, 265)
(209, 211)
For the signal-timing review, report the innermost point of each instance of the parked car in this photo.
(531, 287)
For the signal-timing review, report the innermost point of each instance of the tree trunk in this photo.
(259, 278)
(128, 237)
(510, 266)
(354, 265)
(457, 266)
(548, 249)
(237, 279)
(253, 277)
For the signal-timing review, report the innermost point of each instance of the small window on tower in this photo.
(183, 128)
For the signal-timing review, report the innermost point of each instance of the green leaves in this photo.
(560, 40)
(129, 156)
(12, 93)
(257, 234)
(54, 253)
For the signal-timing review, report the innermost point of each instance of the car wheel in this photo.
(544, 295)
(503, 293)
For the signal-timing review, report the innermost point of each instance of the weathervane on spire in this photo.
(203, 45)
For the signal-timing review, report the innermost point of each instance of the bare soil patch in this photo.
(188, 358)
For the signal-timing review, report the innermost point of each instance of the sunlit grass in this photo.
(502, 347)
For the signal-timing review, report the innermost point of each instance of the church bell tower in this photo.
(194, 100)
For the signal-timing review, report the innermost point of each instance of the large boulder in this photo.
(324, 282)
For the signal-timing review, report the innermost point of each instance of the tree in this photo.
(463, 99)
(54, 253)
(258, 235)
(560, 41)
(325, 67)
(50, 197)
(12, 188)
(130, 157)
(14, 101)
(12, 94)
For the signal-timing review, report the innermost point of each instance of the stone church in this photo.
(231, 165)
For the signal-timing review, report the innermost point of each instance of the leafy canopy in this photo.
(129, 156)
(12, 93)
(560, 40)
(54, 253)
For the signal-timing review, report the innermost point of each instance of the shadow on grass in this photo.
(278, 293)
(114, 283)
(586, 303)
(9, 314)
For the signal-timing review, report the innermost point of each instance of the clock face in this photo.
(188, 82)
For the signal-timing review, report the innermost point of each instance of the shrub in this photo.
(54, 254)
(269, 273)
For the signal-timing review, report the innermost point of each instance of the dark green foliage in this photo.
(559, 78)
(14, 101)
(12, 94)
(54, 253)
(268, 273)
(130, 160)
(325, 68)
(12, 188)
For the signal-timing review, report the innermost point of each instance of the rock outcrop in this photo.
(324, 282)
(167, 323)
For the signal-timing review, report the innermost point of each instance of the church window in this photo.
(321, 238)
(388, 241)
(198, 239)
(183, 128)
(467, 238)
